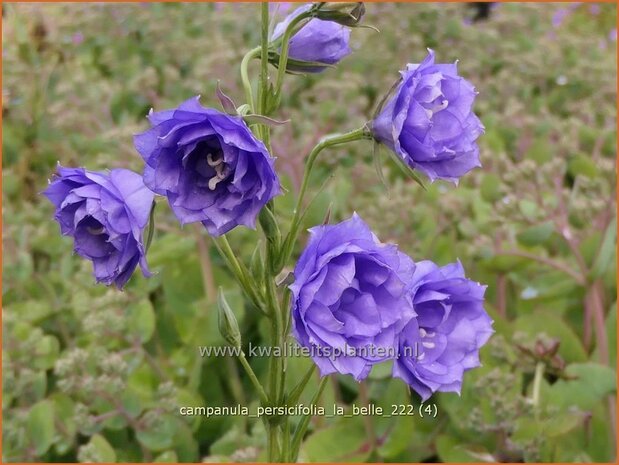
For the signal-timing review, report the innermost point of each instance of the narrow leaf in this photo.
(260, 119)
(607, 251)
(226, 102)
(151, 227)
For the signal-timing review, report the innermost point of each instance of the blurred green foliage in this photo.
(91, 374)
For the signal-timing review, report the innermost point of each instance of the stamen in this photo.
(212, 183)
(425, 333)
(219, 169)
(95, 231)
(221, 173)
(436, 108)
(428, 345)
(212, 162)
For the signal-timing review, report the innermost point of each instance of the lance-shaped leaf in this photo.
(261, 119)
(226, 102)
(151, 227)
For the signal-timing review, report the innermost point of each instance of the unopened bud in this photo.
(344, 13)
(228, 326)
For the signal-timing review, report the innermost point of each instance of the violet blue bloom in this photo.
(317, 41)
(429, 122)
(559, 16)
(443, 342)
(350, 298)
(106, 214)
(209, 165)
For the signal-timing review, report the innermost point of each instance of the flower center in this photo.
(437, 107)
(95, 231)
(222, 171)
(424, 334)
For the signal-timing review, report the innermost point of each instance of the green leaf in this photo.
(231, 441)
(167, 457)
(185, 445)
(505, 263)
(104, 451)
(592, 382)
(490, 187)
(607, 251)
(46, 352)
(64, 413)
(451, 449)
(159, 436)
(563, 423)
(141, 319)
(40, 426)
(535, 235)
(399, 437)
(342, 442)
(611, 334)
(32, 311)
(151, 227)
(584, 165)
(540, 151)
(261, 119)
(571, 349)
(528, 208)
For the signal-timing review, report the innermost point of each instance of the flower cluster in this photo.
(353, 293)
(367, 300)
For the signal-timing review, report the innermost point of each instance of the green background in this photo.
(93, 374)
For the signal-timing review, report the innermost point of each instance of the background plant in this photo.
(537, 224)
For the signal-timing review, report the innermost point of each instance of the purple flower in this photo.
(429, 121)
(350, 298)
(559, 16)
(106, 214)
(438, 346)
(280, 7)
(317, 41)
(78, 38)
(209, 165)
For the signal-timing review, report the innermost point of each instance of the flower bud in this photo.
(274, 239)
(228, 326)
(269, 225)
(345, 13)
(318, 43)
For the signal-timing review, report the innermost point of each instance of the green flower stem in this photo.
(286, 442)
(254, 379)
(537, 383)
(240, 272)
(253, 53)
(274, 439)
(283, 54)
(272, 443)
(304, 423)
(276, 335)
(264, 58)
(331, 141)
(296, 392)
